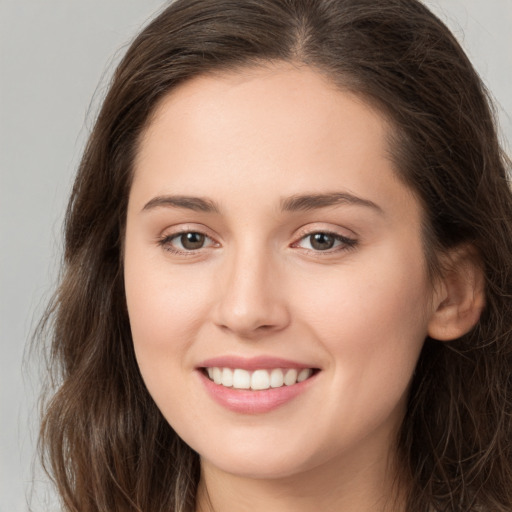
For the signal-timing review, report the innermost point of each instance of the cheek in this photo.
(166, 313)
(372, 320)
(165, 308)
(385, 291)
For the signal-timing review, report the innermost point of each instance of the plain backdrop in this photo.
(55, 56)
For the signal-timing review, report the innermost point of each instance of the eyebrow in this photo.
(196, 204)
(308, 202)
(295, 203)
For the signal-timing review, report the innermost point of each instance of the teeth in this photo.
(241, 379)
(291, 377)
(276, 378)
(258, 379)
(217, 376)
(304, 374)
(227, 377)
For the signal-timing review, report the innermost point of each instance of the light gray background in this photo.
(53, 54)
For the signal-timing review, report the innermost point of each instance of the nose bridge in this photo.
(251, 301)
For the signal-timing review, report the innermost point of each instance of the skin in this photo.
(359, 312)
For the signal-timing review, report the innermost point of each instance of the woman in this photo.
(287, 271)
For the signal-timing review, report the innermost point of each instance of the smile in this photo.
(257, 380)
(255, 385)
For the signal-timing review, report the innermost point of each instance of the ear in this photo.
(460, 295)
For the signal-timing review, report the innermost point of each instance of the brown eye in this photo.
(324, 241)
(185, 242)
(192, 241)
(321, 241)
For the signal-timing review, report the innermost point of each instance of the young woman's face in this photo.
(268, 239)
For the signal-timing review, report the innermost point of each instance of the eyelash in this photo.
(346, 243)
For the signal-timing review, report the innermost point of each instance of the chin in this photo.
(269, 468)
(258, 459)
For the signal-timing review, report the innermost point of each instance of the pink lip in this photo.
(251, 364)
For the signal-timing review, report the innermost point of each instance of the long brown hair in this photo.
(102, 437)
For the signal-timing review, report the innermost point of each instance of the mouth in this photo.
(258, 379)
(255, 385)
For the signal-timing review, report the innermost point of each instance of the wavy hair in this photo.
(102, 438)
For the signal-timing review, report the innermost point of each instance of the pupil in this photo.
(322, 241)
(192, 241)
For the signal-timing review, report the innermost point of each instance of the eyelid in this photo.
(310, 229)
(178, 229)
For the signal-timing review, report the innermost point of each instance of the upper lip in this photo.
(251, 363)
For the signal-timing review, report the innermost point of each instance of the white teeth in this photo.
(227, 377)
(241, 379)
(276, 378)
(290, 377)
(217, 376)
(304, 374)
(258, 379)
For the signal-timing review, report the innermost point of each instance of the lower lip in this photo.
(244, 401)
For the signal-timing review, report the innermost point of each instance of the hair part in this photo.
(102, 438)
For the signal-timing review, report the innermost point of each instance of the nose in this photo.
(251, 299)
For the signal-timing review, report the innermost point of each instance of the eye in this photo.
(325, 241)
(186, 241)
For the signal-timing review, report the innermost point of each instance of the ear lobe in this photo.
(462, 297)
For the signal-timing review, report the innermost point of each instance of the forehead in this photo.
(274, 129)
(264, 100)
